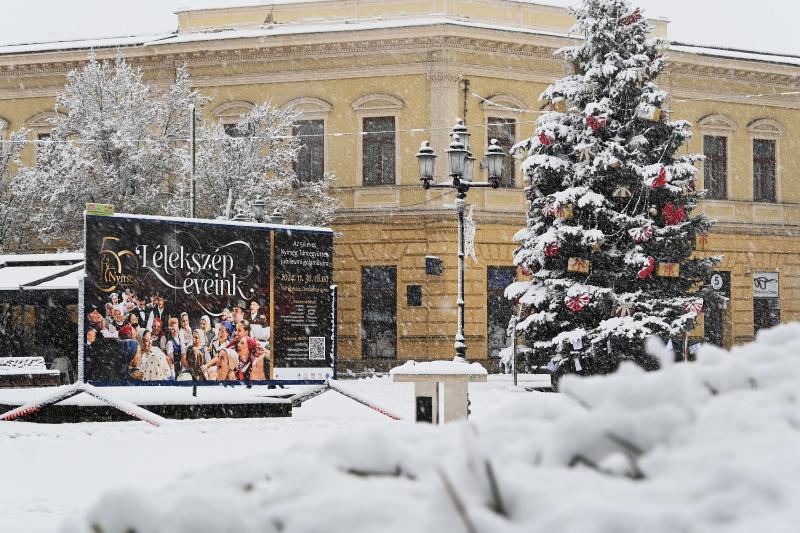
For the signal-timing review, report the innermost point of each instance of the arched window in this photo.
(311, 128)
(41, 124)
(379, 116)
(717, 133)
(765, 134)
(229, 113)
(502, 116)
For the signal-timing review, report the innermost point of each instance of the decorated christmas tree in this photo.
(608, 251)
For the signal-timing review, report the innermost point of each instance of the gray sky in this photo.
(766, 25)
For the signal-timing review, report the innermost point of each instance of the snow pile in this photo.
(709, 446)
(425, 368)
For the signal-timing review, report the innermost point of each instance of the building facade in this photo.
(374, 78)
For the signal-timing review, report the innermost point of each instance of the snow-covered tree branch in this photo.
(609, 245)
(9, 202)
(118, 140)
(255, 161)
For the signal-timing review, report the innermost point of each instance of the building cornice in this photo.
(434, 40)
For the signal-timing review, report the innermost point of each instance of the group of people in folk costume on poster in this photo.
(133, 339)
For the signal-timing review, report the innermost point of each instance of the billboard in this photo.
(178, 301)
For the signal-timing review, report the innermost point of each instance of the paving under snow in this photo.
(705, 447)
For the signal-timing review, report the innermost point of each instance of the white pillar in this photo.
(455, 399)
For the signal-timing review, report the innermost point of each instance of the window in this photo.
(499, 308)
(379, 151)
(232, 131)
(505, 131)
(379, 311)
(43, 136)
(715, 167)
(763, 170)
(310, 164)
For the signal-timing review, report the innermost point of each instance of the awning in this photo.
(40, 271)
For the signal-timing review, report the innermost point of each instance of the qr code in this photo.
(316, 348)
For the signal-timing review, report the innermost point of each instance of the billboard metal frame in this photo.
(207, 222)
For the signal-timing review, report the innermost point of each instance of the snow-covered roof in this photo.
(438, 368)
(366, 24)
(16, 277)
(68, 281)
(731, 53)
(737, 24)
(83, 44)
(45, 259)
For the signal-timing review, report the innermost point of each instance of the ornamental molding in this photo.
(765, 127)
(503, 102)
(717, 124)
(443, 77)
(308, 105)
(377, 102)
(760, 73)
(708, 95)
(163, 55)
(43, 121)
(232, 111)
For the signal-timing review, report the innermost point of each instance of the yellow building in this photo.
(362, 68)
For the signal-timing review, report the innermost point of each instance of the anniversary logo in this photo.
(175, 300)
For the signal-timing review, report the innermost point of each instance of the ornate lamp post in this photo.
(462, 166)
(259, 209)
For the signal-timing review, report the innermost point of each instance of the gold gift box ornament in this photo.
(558, 104)
(564, 211)
(651, 113)
(668, 270)
(577, 264)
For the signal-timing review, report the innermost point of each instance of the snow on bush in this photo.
(710, 446)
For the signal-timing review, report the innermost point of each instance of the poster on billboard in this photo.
(187, 301)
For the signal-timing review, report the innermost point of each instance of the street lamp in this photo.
(259, 209)
(462, 166)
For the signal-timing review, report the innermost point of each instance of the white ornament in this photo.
(469, 235)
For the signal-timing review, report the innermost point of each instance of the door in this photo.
(379, 311)
(717, 318)
(499, 308)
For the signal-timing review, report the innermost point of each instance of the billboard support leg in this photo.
(298, 399)
(73, 390)
(334, 325)
(334, 385)
(35, 406)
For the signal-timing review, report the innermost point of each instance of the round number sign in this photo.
(716, 282)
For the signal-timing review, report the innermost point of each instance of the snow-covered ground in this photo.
(705, 447)
(53, 472)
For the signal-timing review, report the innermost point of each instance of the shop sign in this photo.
(765, 285)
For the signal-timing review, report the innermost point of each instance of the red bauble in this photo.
(551, 250)
(695, 306)
(596, 123)
(642, 234)
(545, 139)
(673, 215)
(647, 271)
(577, 303)
(660, 180)
(631, 18)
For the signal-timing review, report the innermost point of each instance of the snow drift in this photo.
(706, 446)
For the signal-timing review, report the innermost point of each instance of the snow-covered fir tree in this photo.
(9, 201)
(254, 160)
(114, 141)
(608, 248)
